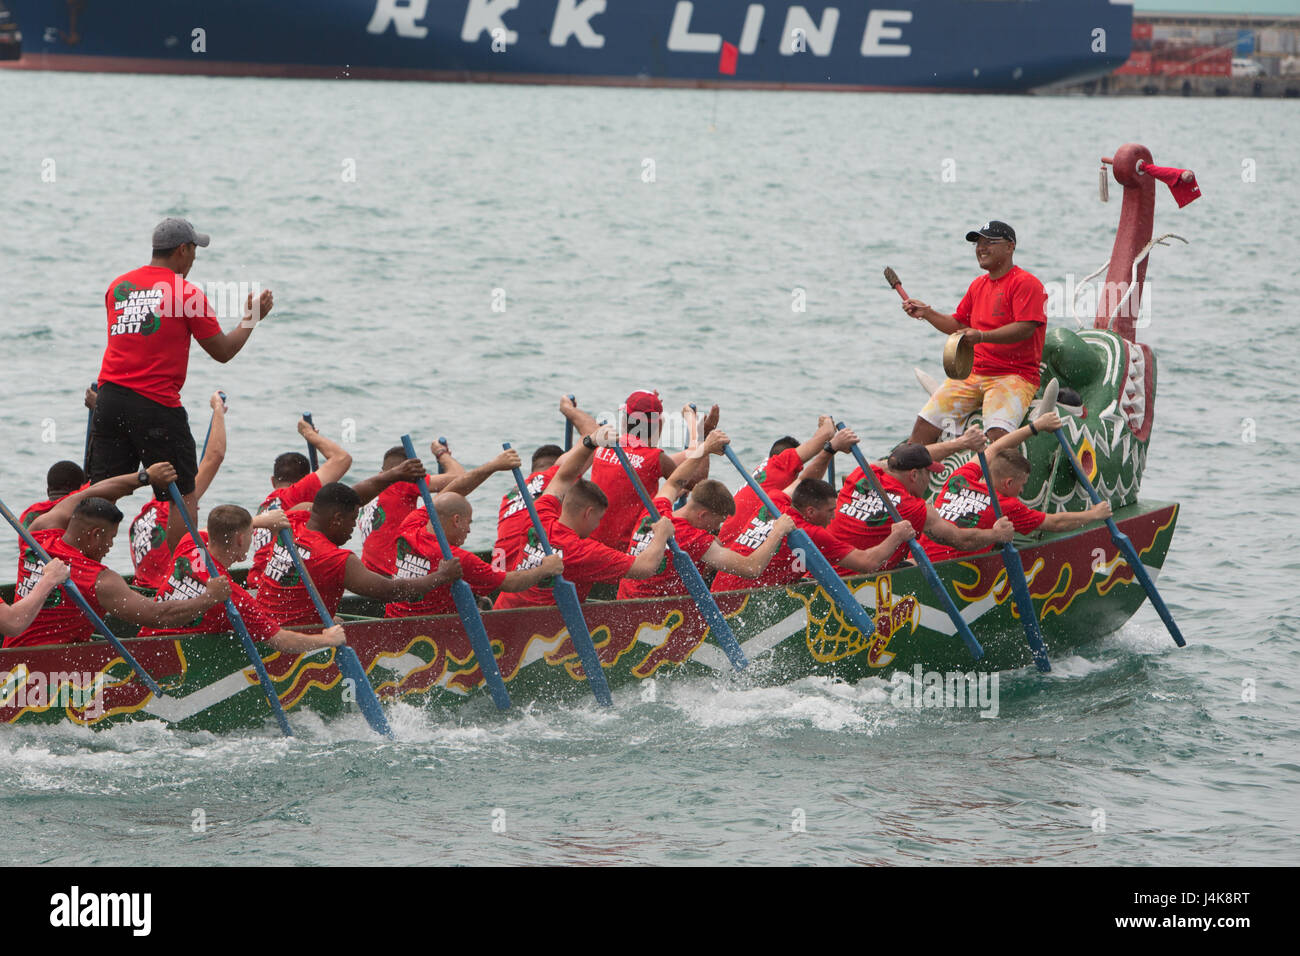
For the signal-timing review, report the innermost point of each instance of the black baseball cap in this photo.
(993, 229)
(908, 457)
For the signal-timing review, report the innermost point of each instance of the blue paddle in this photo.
(566, 596)
(441, 467)
(209, 434)
(74, 592)
(922, 559)
(568, 428)
(830, 471)
(690, 575)
(1019, 586)
(1070, 397)
(466, 606)
(346, 657)
(311, 449)
(821, 568)
(236, 619)
(90, 421)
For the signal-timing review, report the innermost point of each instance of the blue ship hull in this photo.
(926, 45)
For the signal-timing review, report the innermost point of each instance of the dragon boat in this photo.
(1081, 585)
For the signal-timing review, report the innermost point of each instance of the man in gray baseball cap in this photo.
(153, 314)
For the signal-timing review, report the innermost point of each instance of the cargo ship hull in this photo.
(921, 45)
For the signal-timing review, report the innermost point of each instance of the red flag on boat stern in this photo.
(1184, 190)
(727, 64)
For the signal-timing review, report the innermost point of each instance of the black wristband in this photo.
(828, 449)
(1032, 429)
(587, 442)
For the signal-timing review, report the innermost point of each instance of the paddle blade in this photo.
(1025, 605)
(367, 700)
(566, 598)
(478, 639)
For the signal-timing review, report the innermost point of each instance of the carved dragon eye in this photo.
(1088, 458)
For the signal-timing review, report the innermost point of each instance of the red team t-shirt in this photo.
(861, 518)
(59, 621)
(152, 315)
(189, 578)
(585, 561)
(418, 554)
(282, 592)
(782, 569)
(625, 507)
(380, 522)
(992, 303)
(965, 501)
(513, 521)
(776, 473)
(150, 556)
(665, 581)
(284, 499)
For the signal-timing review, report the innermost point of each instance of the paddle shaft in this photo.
(568, 428)
(71, 589)
(1019, 585)
(1125, 545)
(203, 453)
(466, 606)
(566, 597)
(922, 559)
(817, 563)
(90, 423)
(690, 576)
(311, 449)
(236, 619)
(442, 440)
(349, 664)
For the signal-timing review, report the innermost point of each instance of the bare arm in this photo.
(467, 482)
(359, 579)
(966, 539)
(574, 462)
(813, 446)
(1048, 422)
(337, 461)
(583, 423)
(867, 560)
(119, 600)
(369, 488)
(842, 440)
(17, 617)
(215, 453)
(552, 564)
(1008, 334)
(110, 488)
(647, 562)
(295, 642)
(1069, 520)
(750, 566)
(226, 345)
(944, 323)
(694, 468)
(972, 438)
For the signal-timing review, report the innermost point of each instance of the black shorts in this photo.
(130, 431)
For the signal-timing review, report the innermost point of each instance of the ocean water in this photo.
(450, 260)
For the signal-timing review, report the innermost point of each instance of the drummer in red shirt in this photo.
(1002, 314)
(695, 529)
(153, 312)
(862, 520)
(570, 510)
(418, 551)
(79, 532)
(964, 499)
(639, 440)
(319, 536)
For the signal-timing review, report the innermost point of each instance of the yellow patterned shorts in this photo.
(1005, 399)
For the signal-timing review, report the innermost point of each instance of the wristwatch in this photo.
(828, 449)
(587, 442)
(143, 476)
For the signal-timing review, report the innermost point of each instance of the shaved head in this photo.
(452, 505)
